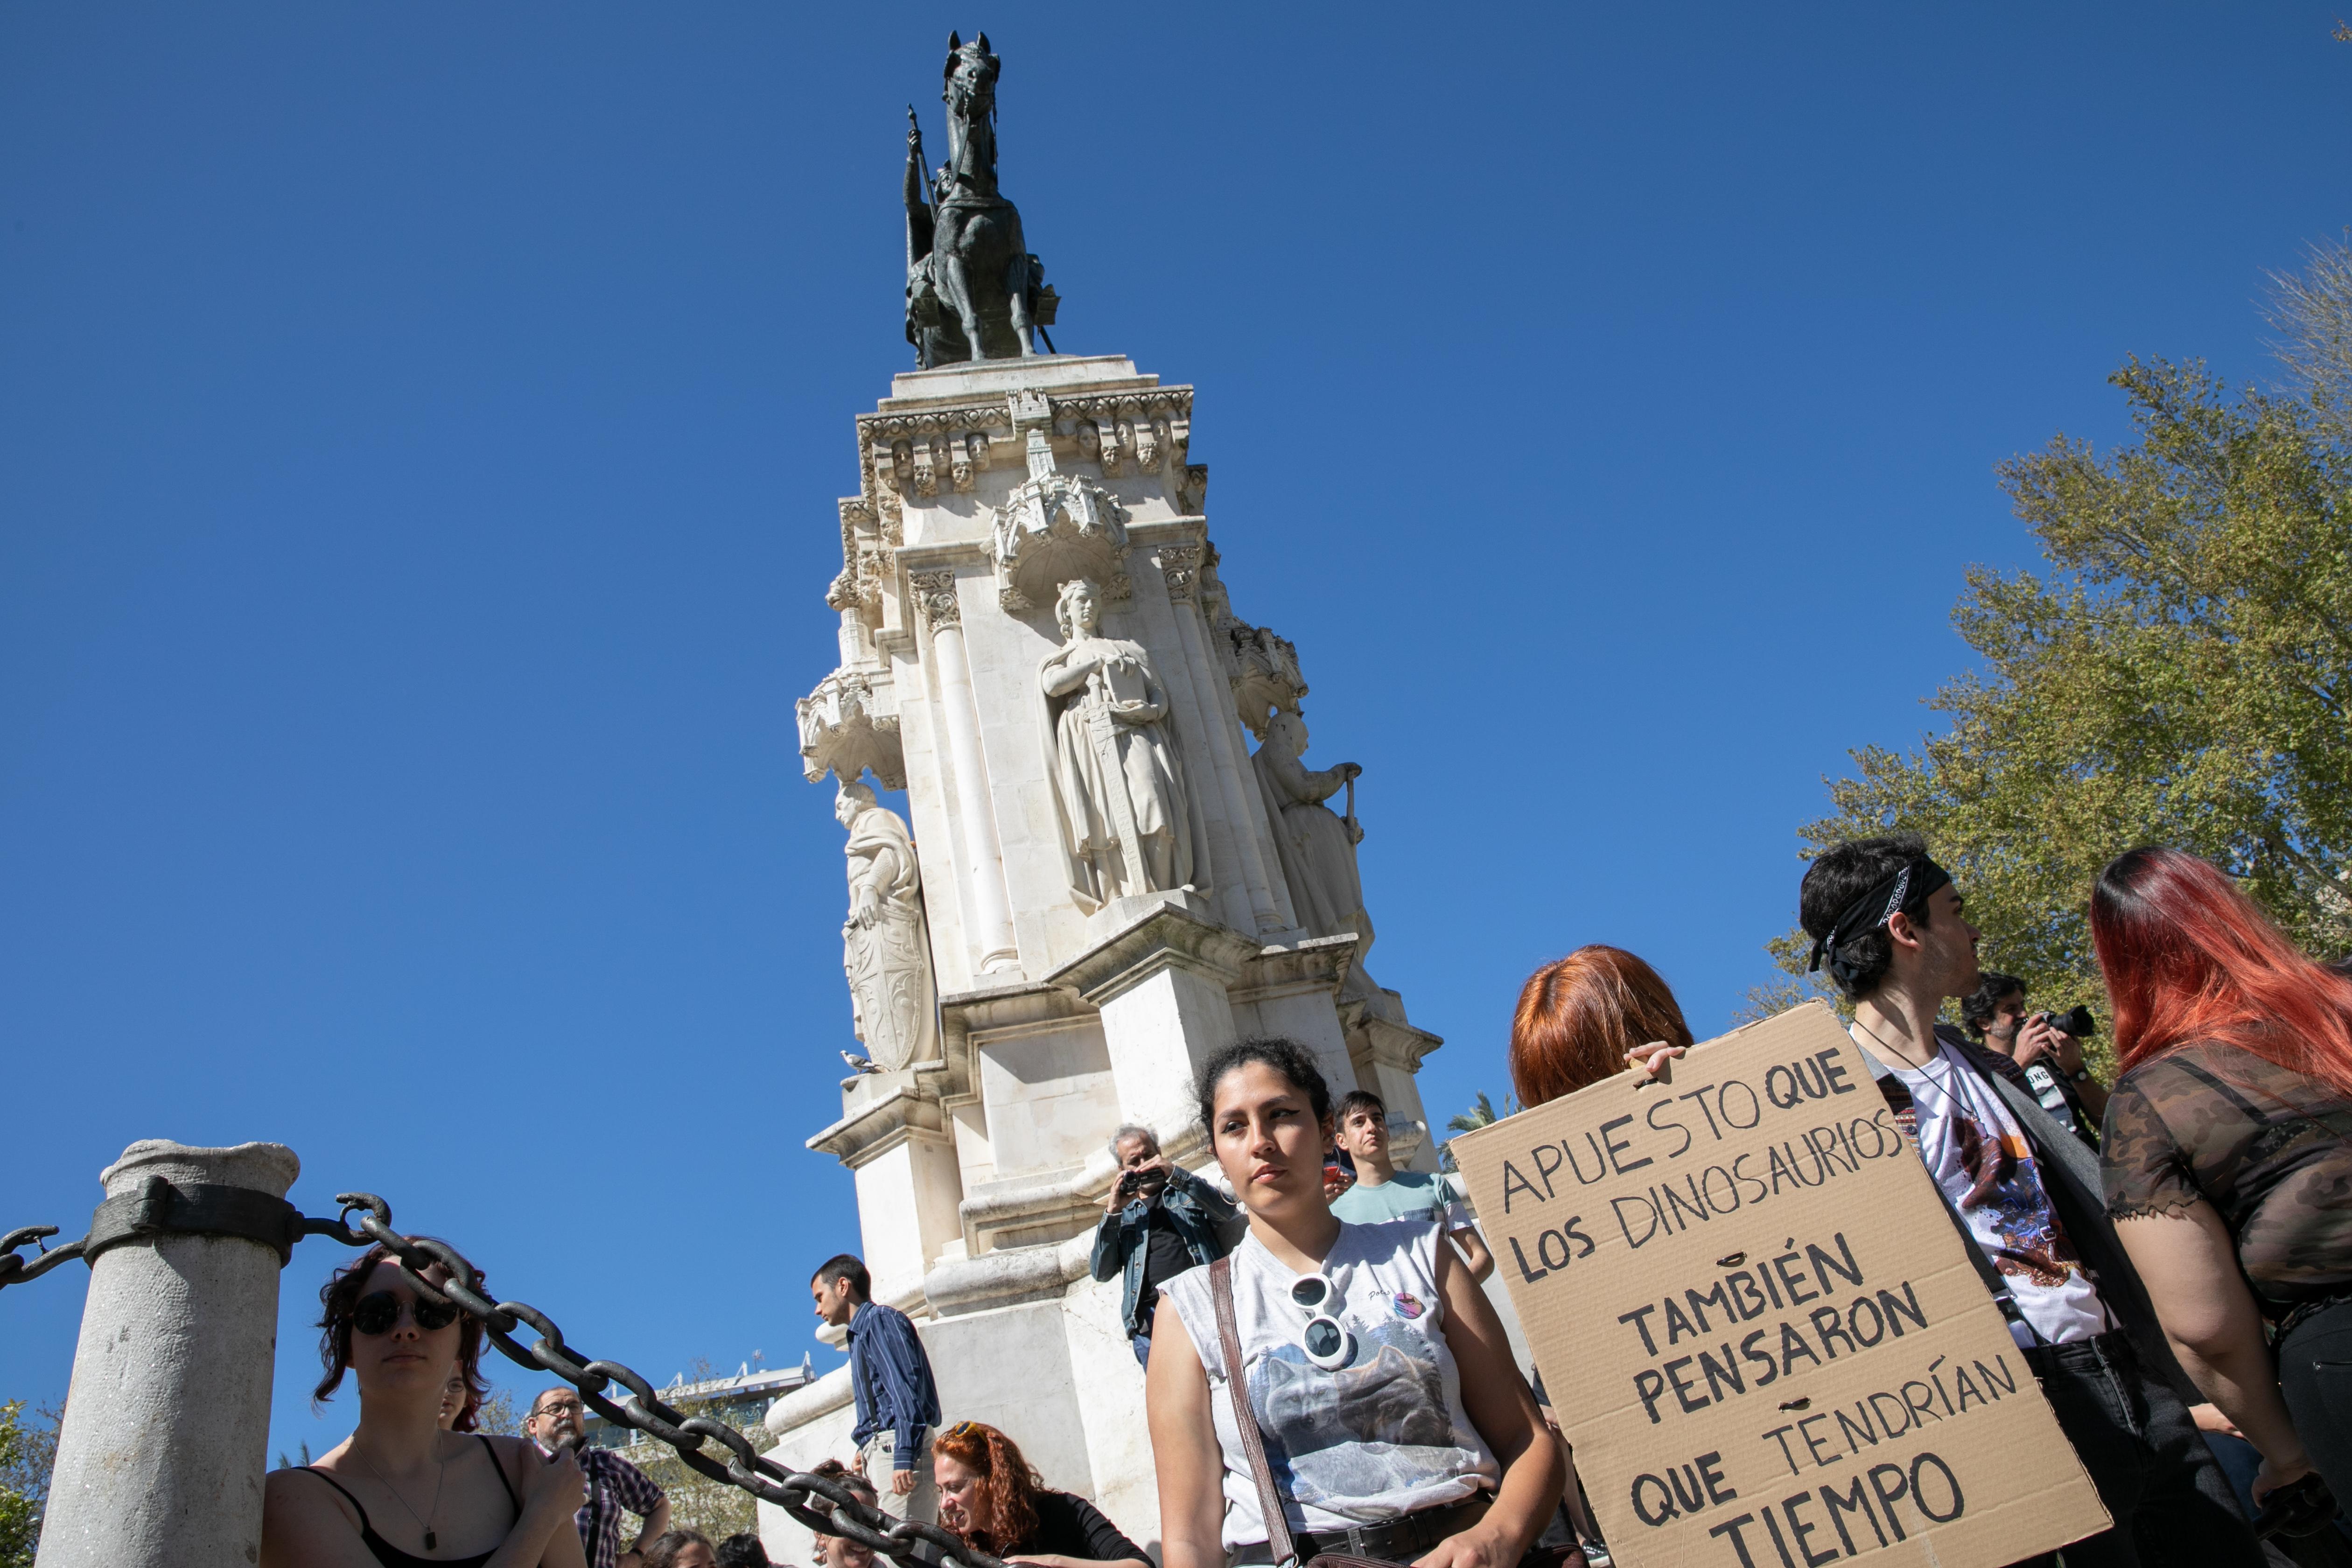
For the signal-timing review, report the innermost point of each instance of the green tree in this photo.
(28, 1446)
(1480, 1114)
(2177, 676)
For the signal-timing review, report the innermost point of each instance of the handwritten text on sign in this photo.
(1757, 1323)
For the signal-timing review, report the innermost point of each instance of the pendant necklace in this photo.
(441, 1473)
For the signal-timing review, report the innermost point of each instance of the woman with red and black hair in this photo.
(992, 1497)
(403, 1492)
(2228, 1152)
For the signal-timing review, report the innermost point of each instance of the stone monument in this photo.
(1103, 883)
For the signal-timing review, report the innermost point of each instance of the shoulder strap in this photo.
(491, 1449)
(1269, 1500)
(365, 1527)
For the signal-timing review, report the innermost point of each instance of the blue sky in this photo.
(420, 428)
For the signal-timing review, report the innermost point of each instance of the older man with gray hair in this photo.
(1158, 1221)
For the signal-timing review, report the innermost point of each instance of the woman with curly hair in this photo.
(402, 1492)
(992, 1497)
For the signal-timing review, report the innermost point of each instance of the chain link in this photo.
(821, 1504)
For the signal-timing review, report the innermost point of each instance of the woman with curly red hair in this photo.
(994, 1498)
(2228, 1152)
(1589, 1016)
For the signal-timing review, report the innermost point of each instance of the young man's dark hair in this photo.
(1356, 1100)
(850, 1267)
(1847, 896)
(1977, 1008)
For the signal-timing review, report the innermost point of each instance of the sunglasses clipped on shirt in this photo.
(1325, 1338)
(376, 1312)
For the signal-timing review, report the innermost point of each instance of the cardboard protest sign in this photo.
(1758, 1325)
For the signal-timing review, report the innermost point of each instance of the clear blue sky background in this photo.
(420, 428)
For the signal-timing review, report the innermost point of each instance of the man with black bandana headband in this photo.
(1889, 925)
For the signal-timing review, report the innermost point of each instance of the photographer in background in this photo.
(1157, 1222)
(2042, 1053)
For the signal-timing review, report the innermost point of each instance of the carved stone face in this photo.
(1085, 613)
(848, 804)
(1292, 727)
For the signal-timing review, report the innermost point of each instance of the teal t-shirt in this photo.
(1408, 1194)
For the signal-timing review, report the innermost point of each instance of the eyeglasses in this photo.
(1325, 1338)
(376, 1312)
(961, 1429)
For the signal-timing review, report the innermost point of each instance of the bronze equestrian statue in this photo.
(973, 291)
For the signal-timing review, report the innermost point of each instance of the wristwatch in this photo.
(2080, 1075)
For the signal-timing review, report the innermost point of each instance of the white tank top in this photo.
(1383, 1435)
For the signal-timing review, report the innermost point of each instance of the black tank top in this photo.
(392, 1556)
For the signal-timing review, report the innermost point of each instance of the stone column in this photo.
(167, 1424)
(992, 906)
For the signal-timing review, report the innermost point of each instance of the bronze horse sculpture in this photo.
(973, 291)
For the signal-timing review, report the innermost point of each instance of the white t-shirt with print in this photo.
(1382, 1437)
(1980, 1157)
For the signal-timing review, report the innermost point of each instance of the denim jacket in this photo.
(1195, 1208)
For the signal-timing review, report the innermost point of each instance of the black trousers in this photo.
(2314, 1364)
(2170, 1502)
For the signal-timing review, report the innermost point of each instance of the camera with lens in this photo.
(2078, 1023)
(1140, 1183)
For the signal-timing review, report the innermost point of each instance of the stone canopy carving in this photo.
(1053, 528)
(847, 729)
(1118, 787)
(886, 950)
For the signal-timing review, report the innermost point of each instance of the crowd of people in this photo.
(2172, 1255)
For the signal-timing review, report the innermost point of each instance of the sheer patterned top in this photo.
(2269, 1148)
(392, 1556)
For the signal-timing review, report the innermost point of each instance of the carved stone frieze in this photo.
(1192, 492)
(848, 724)
(1053, 527)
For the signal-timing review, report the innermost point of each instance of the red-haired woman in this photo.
(402, 1492)
(2228, 1154)
(995, 1500)
(1589, 1016)
(1581, 1020)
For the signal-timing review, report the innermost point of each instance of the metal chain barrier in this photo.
(822, 1505)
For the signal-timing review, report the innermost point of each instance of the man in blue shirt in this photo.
(897, 1404)
(1159, 1221)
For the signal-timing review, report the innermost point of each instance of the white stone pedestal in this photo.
(985, 488)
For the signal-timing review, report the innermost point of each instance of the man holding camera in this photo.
(1159, 1221)
(2042, 1053)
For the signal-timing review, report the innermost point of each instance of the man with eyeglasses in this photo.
(615, 1485)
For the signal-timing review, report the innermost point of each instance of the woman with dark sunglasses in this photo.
(1372, 1365)
(402, 1492)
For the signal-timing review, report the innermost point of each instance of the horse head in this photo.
(971, 77)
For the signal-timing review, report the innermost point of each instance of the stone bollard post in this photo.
(166, 1431)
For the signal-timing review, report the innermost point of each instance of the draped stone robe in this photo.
(1111, 767)
(887, 956)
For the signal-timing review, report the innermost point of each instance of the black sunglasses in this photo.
(375, 1313)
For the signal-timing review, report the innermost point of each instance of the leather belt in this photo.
(1400, 1540)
